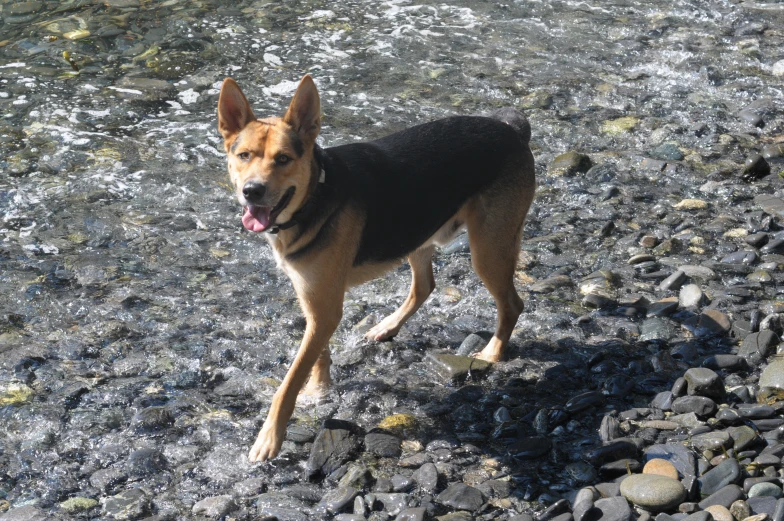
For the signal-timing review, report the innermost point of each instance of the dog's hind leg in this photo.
(422, 285)
(494, 238)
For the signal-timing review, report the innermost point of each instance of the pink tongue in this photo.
(256, 218)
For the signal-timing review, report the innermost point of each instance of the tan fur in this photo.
(494, 219)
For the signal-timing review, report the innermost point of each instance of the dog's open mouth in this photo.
(262, 218)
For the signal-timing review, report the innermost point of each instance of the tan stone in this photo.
(719, 513)
(660, 467)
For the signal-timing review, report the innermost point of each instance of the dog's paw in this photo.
(384, 330)
(267, 444)
(488, 357)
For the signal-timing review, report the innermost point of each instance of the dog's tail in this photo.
(516, 120)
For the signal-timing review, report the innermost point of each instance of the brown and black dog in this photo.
(340, 216)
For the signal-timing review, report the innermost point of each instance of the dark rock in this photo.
(152, 419)
(725, 473)
(337, 442)
(725, 497)
(530, 448)
(614, 451)
(383, 444)
(755, 167)
(756, 347)
(722, 361)
(461, 497)
(699, 405)
(556, 509)
(427, 477)
(338, 499)
(762, 505)
(702, 381)
(679, 455)
(585, 401)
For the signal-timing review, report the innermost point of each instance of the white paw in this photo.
(267, 444)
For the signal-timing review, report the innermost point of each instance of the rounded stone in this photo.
(660, 467)
(740, 510)
(765, 489)
(720, 513)
(653, 492)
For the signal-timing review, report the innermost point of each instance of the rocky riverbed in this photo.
(143, 331)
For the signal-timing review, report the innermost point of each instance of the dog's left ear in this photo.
(304, 113)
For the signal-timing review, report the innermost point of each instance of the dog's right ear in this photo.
(234, 111)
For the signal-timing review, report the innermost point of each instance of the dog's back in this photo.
(409, 184)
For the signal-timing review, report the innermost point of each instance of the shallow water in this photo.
(129, 282)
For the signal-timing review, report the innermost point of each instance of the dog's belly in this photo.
(373, 270)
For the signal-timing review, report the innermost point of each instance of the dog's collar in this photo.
(293, 221)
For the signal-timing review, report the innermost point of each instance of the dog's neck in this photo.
(318, 177)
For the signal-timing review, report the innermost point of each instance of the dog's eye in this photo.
(244, 155)
(282, 159)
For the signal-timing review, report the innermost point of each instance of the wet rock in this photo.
(214, 507)
(729, 362)
(704, 382)
(472, 344)
(131, 504)
(585, 401)
(657, 329)
(145, 462)
(770, 204)
(392, 504)
(383, 444)
(620, 125)
(412, 514)
(680, 456)
(152, 419)
(337, 442)
(716, 440)
(699, 405)
(338, 499)
(756, 346)
(76, 505)
(551, 284)
(617, 450)
(530, 448)
(553, 511)
(453, 368)
(569, 164)
(690, 296)
(667, 152)
(653, 492)
(25, 513)
(427, 477)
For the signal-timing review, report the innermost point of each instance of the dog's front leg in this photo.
(323, 307)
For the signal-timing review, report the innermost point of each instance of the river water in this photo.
(128, 283)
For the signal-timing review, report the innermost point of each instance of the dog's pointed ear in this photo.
(304, 113)
(234, 111)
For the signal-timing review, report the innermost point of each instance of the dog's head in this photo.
(270, 160)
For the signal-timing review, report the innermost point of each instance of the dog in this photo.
(337, 217)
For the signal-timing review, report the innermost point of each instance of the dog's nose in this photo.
(253, 191)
